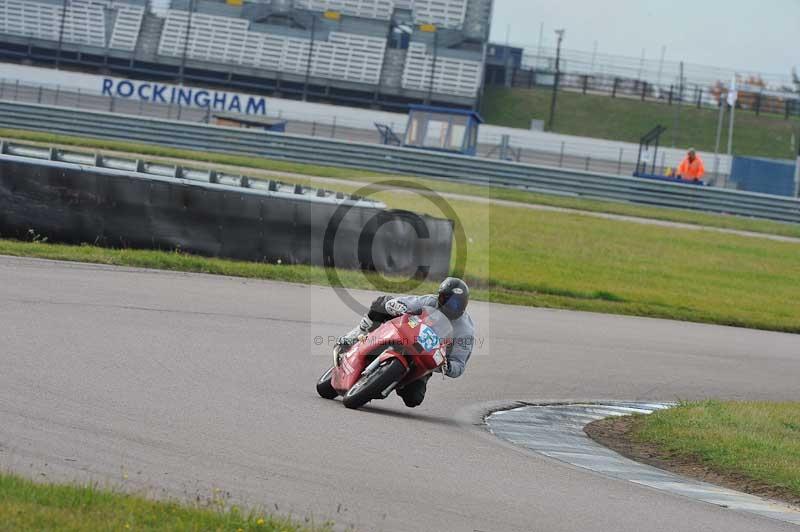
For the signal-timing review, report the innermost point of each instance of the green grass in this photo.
(540, 258)
(558, 260)
(578, 262)
(359, 176)
(758, 440)
(628, 119)
(26, 505)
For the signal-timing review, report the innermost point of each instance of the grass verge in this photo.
(562, 260)
(360, 176)
(751, 446)
(628, 119)
(566, 263)
(26, 505)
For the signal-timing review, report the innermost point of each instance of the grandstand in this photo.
(383, 53)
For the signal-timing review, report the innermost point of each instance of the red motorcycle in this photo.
(399, 352)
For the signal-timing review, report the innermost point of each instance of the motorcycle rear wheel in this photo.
(324, 386)
(371, 386)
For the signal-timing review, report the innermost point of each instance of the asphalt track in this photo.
(177, 384)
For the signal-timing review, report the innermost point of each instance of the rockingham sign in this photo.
(158, 92)
(147, 91)
(186, 96)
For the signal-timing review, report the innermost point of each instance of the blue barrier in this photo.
(763, 175)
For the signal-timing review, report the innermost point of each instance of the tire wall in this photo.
(74, 204)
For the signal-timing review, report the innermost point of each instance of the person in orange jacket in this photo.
(691, 168)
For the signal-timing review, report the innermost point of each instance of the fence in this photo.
(650, 79)
(393, 160)
(357, 125)
(757, 100)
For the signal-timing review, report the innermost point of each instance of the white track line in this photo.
(557, 431)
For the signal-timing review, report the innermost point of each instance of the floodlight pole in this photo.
(186, 43)
(310, 60)
(431, 87)
(732, 117)
(552, 120)
(61, 33)
(722, 104)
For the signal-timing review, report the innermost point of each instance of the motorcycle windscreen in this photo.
(440, 323)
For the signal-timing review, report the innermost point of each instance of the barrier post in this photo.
(797, 171)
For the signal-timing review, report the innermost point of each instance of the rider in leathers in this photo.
(452, 301)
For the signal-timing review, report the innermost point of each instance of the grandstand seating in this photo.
(453, 75)
(127, 26)
(376, 9)
(353, 48)
(445, 13)
(337, 55)
(85, 21)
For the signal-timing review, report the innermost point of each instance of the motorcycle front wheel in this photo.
(372, 386)
(324, 386)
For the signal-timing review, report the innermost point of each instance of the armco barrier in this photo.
(77, 203)
(396, 160)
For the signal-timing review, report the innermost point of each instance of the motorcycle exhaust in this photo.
(372, 367)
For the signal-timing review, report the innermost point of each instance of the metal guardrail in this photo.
(149, 170)
(398, 161)
(357, 125)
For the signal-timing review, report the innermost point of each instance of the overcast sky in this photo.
(761, 36)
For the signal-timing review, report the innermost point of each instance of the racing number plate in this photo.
(428, 338)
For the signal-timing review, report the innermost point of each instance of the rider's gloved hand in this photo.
(395, 307)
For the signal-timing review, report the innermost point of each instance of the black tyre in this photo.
(371, 386)
(324, 386)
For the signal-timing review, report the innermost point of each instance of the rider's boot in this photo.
(364, 327)
(351, 338)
